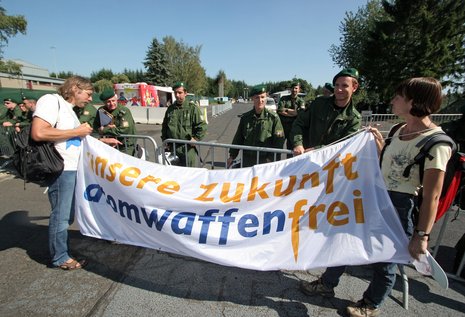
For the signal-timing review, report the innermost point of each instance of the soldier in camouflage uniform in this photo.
(258, 127)
(122, 123)
(288, 108)
(183, 120)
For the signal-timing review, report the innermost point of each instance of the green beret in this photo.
(329, 87)
(295, 83)
(347, 72)
(179, 84)
(107, 94)
(29, 96)
(256, 90)
(16, 101)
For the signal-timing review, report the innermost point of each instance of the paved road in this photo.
(123, 280)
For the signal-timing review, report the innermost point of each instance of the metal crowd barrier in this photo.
(143, 143)
(384, 122)
(208, 152)
(221, 108)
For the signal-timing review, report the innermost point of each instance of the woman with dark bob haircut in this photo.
(415, 99)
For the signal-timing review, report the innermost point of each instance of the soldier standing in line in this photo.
(183, 121)
(119, 121)
(288, 108)
(258, 127)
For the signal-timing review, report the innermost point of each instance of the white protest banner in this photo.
(325, 208)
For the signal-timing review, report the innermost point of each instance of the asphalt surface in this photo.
(123, 280)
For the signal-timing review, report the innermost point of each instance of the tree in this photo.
(101, 74)
(9, 27)
(63, 75)
(102, 84)
(237, 89)
(119, 78)
(156, 64)
(408, 38)
(354, 30)
(184, 65)
(10, 67)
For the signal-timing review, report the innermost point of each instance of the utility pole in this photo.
(53, 48)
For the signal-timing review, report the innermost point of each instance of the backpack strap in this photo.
(425, 146)
(389, 139)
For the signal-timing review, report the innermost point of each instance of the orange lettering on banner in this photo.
(337, 214)
(208, 190)
(290, 187)
(347, 162)
(127, 175)
(147, 179)
(112, 170)
(313, 177)
(237, 195)
(254, 189)
(295, 216)
(169, 188)
(336, 209)
(312, 215)
(358, 206)
(331, 167)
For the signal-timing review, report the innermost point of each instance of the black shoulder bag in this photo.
(36, 162)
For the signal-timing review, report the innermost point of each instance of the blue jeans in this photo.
(61, 197)
(384, 274)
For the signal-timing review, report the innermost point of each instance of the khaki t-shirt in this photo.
(401, 153)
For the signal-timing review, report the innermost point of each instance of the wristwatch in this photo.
(422, 233)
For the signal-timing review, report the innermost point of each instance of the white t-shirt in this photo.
(401, 153)
(61, 117)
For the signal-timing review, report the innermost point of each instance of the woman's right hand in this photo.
(84, 130)
(378, 138)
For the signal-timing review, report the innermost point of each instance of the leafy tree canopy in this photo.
(9, 27)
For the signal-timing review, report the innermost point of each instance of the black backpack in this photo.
(454, 169)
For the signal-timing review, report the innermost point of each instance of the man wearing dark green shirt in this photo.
(288, 108)
(257, 127)
(328, 119)
(86, 114)
(120, 122)
(183, 121)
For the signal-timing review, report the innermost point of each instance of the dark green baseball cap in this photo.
(258, 89)
(107, 94)
(346, 72)
(294, 84)
(179, 84)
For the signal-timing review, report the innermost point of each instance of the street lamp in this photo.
(53, 48)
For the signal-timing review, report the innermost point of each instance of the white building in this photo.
(31, 77)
